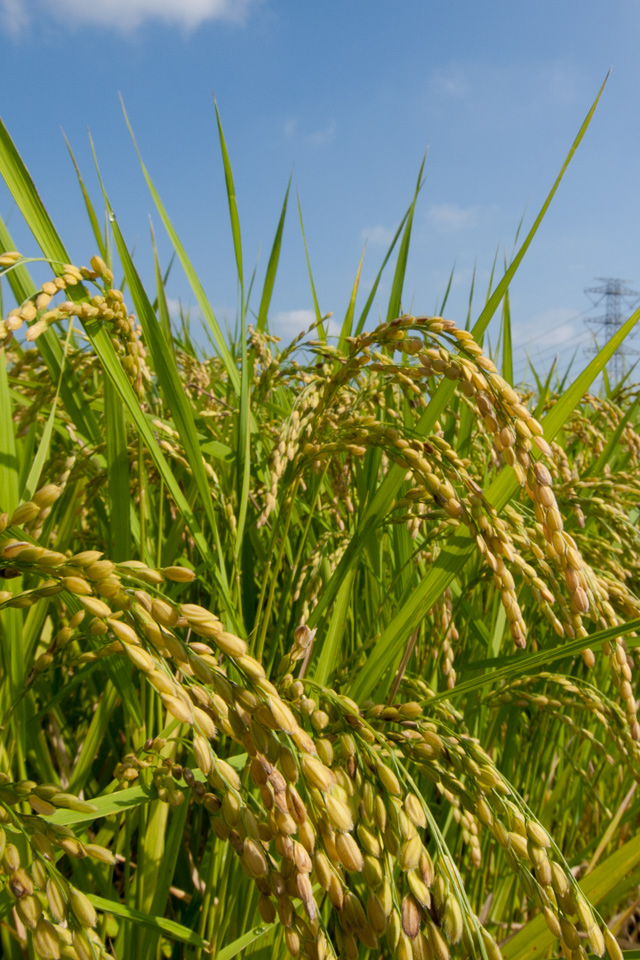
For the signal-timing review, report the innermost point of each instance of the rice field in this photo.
(323, 649)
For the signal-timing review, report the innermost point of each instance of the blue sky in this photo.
(348, 96)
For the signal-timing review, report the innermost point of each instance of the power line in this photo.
(618, 300)
(549, 328)
(558, 349)
(554, 351)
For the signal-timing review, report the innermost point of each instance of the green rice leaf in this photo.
(9, 471)
(233, 206)
(526, 664)
(35, 470)
(394, 306)
(329, 655)
(347, 323)
(494, 300)
(168, 928)
(507, 344)
(93, 219)
(161, 297)
(116, 802)
(233, 949)
(118, 478)
(322, 333)
(191, 275)
(272, 266)
(103, 347)
(374, 289)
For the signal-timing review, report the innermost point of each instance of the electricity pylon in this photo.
(619, 300)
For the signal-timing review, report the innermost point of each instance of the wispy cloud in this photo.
(123, 15)
(293, 129)
(378, 236)
(289, 323)
(451, 82)
(450, 218)
(461, 274)
(563, 81)
(552, 327)
(13, 16)
(289, 127)
(176, 308)
(553, 335)
(320, 138)
(480, 82)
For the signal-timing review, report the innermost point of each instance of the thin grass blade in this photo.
(207, 311)
(91, 213)
(272, 266)
(497, 295)
(347, 323)
(395, 298)
(322, 333)
(233, 206)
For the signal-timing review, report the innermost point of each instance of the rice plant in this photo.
(323, 650)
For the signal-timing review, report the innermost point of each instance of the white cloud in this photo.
(13, 16)
(464, 274)
(126, 15)
(333, 328)
(289, 323)
(321, 138)
(378, 236)
(562, 81)
(450, 218)
(559, 327)
(562, 334)
(289, 127)
(533, 84)
(176, 307)
(451, 82)
(317, 138)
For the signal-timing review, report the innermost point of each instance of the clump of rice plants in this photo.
(320, 653)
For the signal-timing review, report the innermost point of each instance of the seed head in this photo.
(349, 853)
(437, 942)
(596, 940)
(369, 840)
(414, 810)
(56, 900)
(267, 909)
(410, 853)
(410, 916)
(97, 608)
(229, 644)
(419, 888)
(254, 857)
(29, 911)
(178, 574)
(82, 908)
(45, 940)
(282, 715)
(538, 834)
(98, 852)
(178, 708)
(338, 813)
(24, 514)
(316, 774)
(612, 946)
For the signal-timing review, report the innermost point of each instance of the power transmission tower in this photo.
(619, 300)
